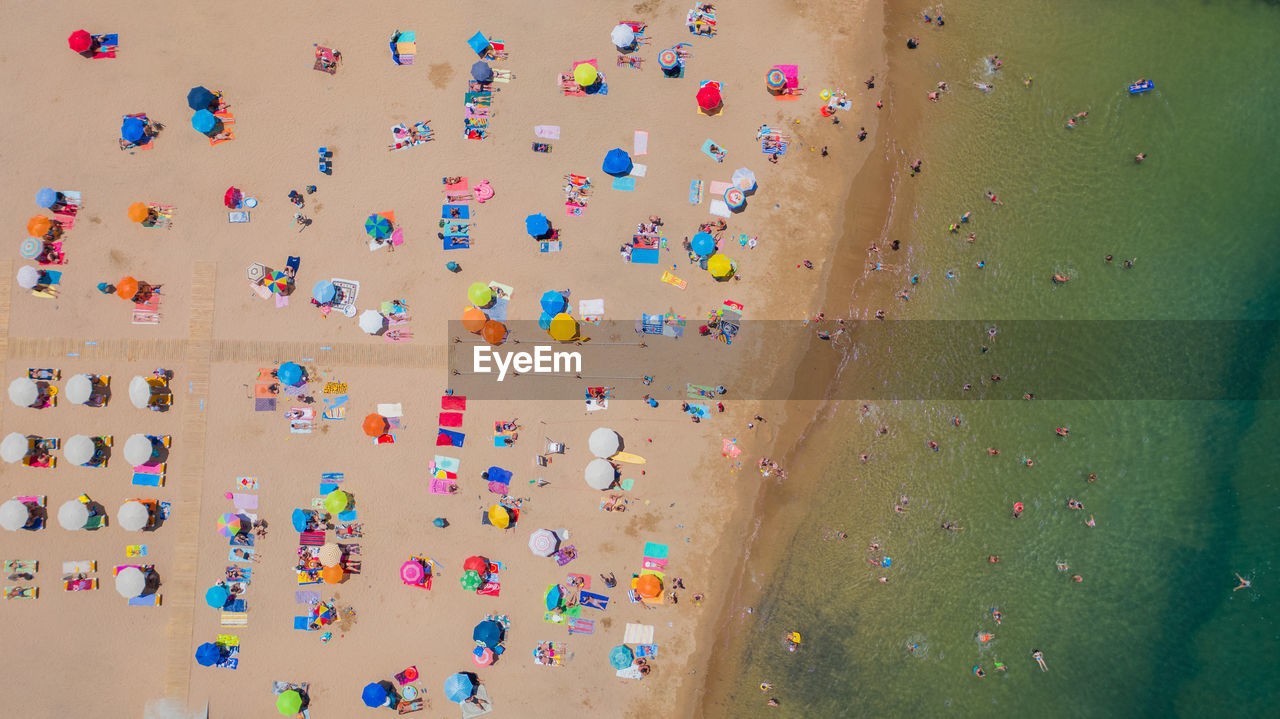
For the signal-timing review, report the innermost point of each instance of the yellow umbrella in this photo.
(499, 517)
(585, 74)
(563, 327)
(719, 266)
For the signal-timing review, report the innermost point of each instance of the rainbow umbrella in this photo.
(30, 248)
(378, 227)
(229, 525)
(668, 59)
(278, 283)
(471, 580)
(734, 198)
(776, 79)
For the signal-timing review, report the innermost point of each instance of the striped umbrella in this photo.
(229, 525)
(330, 555)
(543, 542)
(776, 80)
(30, 248)
(256, 272)
(278, 283)
(378, 227)
(734, 198)
(668, 59)
(411, 572)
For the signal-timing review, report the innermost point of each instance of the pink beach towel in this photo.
(441, 486)
(547, 132)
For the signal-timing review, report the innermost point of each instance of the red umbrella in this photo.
(475, 564)
(232, 198)
(709, 97)
(80, 41)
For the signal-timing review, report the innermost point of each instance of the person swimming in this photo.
(1038, 655)
(1244, 583)
(977, 671)
(996, 615)
(1062, 431)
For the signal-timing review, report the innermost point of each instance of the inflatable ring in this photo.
(1017, 506)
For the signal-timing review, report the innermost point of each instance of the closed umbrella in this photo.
(217, 596)
(621, 657)
(79, 449)
(131, 582)
(139, 450)
(79, 389)
(139, 392)
(39, 226)
(324, 292)
(719, 266)
(482, 72)
(24, 392)
(336, 501)
(200, 98)
(458, 687)
(600, 474)
(80, 41)
(603, 442)
(703, 244)
(374, 695)
(543, 542)
(14, 515)
(372, 322)
(480, 294)
(378, 227)
(14, 447)
(563, 327)
(375, 425)
(30, 248)
(73, 515)
(617, 162)
(623, 37)
(46, 197)
(744, 179)
(28, 277)
(204, 121)
(487, 633)
(471, 580)
(709, 96)
(290, 373)
(230, 524)
(289, 702)
(330, 555)
(412, 572)
(553, 302)
(537, 225)
(209, 654)
(494, 332)
(585, 74)
(256, 272)
(133, 129)
(133, 516)
(499, 516)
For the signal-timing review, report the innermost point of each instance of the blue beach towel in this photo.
(625, 184)
(453, 438)
(454, 243)
(641, 256)
(146, 480)
(464, 212)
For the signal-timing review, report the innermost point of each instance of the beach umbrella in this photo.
(479, 43)
(199, 98)
(39, 226)
(140, 392)
(372, 322)
(73, 515)
(734, 198)
(133, 515)
(331, 555)
(204, 121)
(14, 447)
(300, 519)
(617, 162)
(440, 522)
(499, 516)
(133, 129)
(79, 449)
(375, 425)
(543, 542)
(208, 654)
(604, 442)
(28, 277)
(30, 248)
(563, 327)
(585, 74)
(131, 582)
(374, 695)
(473, 319)
(621, 657)
(126, 288)
(24, 392)
(289, 702)
(336, 501)
(332, 575)
(278, 282)
(552, 302)
(544, 321)
(80, 41)
(494, 332)
(378, 227)
(412, 572)
(537, 225)
(649, 586)
(487, 633)
(483, 658)
(14, 515)
(709, 97)
(475, 564)
(471, 580)
(46, 197)
(79, 389)
(458, 687)
(744, 179)
(229, 525)
(704, 244)
(668, 59)
(232, 198)
(324, 292)
(216, 596)
(623, 37)
(600, 474)
(256, 272)
(775, 79)
(289, 373)
(482, 72)
(719, 266)
(138, 212)
(480, 294)
(553, 596)
(139, 449)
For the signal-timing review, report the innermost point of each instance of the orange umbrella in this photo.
(473, 319)
(375, 425)
(138, 211)
(649, 586)
(127, 288)
(494, 332)
(38, 226)
(332, 575)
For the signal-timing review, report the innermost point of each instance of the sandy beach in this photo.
(217, 335)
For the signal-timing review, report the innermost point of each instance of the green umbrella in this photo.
(289, 702)
(335, 501)
(471, 580)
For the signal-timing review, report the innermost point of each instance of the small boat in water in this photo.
(1141, 86)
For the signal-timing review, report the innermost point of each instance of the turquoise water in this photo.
(1186, 491)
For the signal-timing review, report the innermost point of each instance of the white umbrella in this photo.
(14, 447)
(744, 179)
(139, 392)
(79, 449)
(600, 474)
(138, 449)
(330, 555)
(73, 515)
(24, 391)
(133, 516)
(603, 442)
(131, 582)
(623, 37)
(79, 388)
(14, 515)
(543, 542)
(28, 277)
(371, 321)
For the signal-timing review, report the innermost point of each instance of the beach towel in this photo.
(655, 550)
(143, 479)
(640, 145)
(625, 184)
(302, 623)
(638, 170)
(456, 243)
(234, 619)
(699, 391)
(641, 256)
(595, 601)
(439, 485)
(391, 410)
(706, 150)
(450, 401)
(311, 539)
(450, 419)
(447, 438)
(304, 596)
(550, 246)
(582, 626)
(674, 281)
(149, 600)
(463, 212)
(238, 216)
(244, 501)
(718, 188)
(591, 310)
(547, 132)
(107, 46)
(638, 634)
(647, 650)
(719, 208)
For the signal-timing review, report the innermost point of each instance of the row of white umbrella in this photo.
(25, 391)
(132, 516)
(79, 449)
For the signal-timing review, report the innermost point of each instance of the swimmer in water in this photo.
(1000, 667)
(1077, 578)
(984, 638)
(993, 451)
(1028, 396)
(1092, 477)
(1073, 503)
(994, 200)
(933, 445)
(1062, 431)
(1244, 583)
(1038, 655)
(996, 615)
(1062, 567)
(1091, 523)
(1028, 461)
(965, 217)
(1027, 82)
(977, 671)
(994, 559)
(1139, 157)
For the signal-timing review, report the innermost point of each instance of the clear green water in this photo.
(1187, 491)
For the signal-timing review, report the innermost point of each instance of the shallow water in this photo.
(1186, 490)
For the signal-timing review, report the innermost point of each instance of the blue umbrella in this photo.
(374, 695)
(544, 321)
(553, 302)
(378, 227)
(553, 597)
(440, 522)
(617, 162)
(458, 687)
(479, 43)
(704, 244)
(289, 373)
(301, 518)
(204, 121)
(217, 596)
(537, 225)
(199, 98)
(324, 292)
(620, 657)
(488, 633)
(482, 72)
(47, 197)
(208, 654)
(133, 129)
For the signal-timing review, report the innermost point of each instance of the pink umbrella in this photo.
(411, 572)
(484, 658)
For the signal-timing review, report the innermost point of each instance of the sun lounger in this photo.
(18, 592)
(147, 600)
